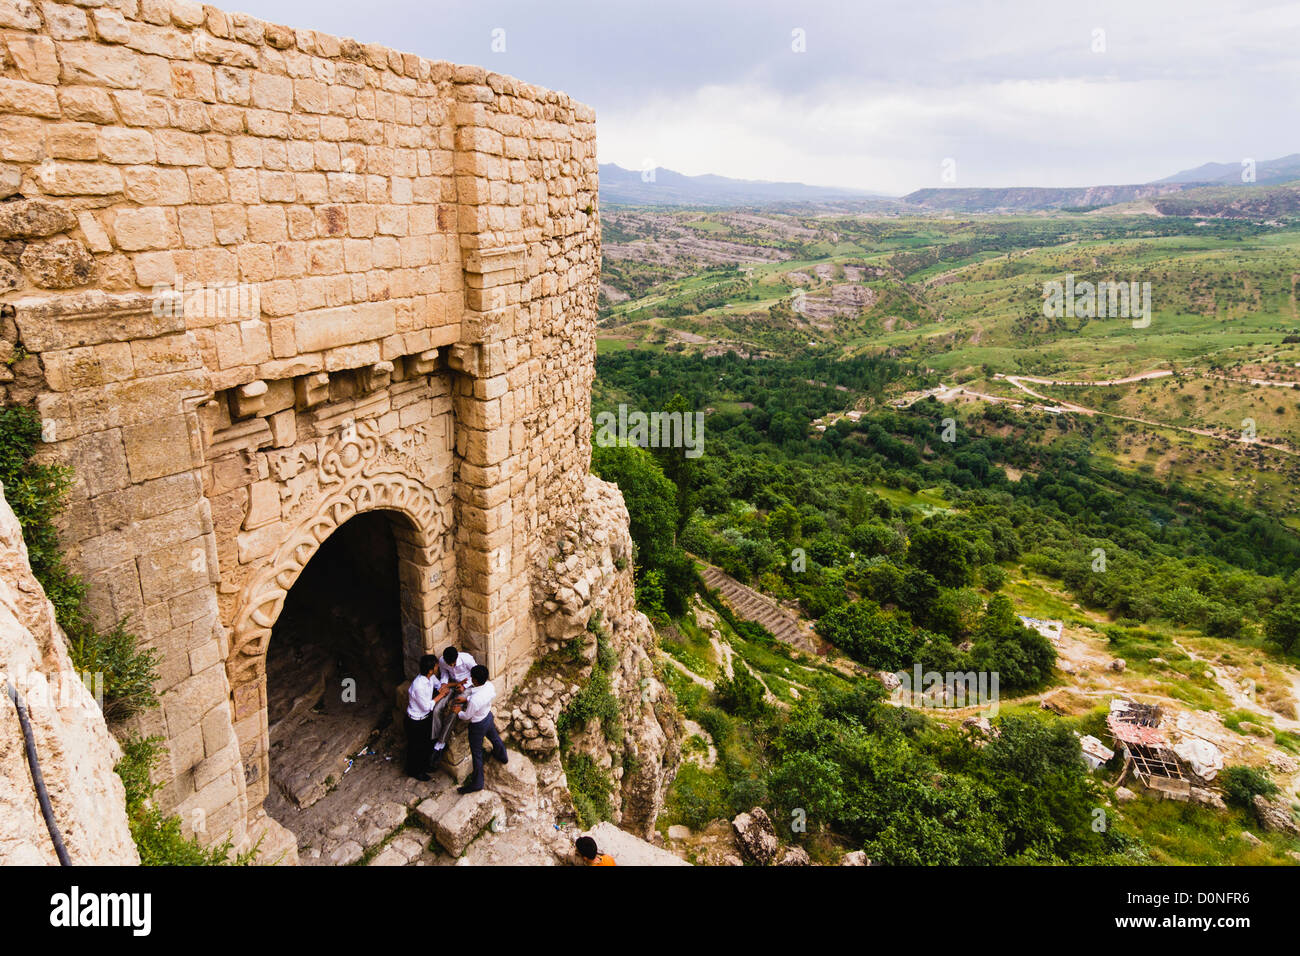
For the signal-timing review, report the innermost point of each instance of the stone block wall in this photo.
(256, 280)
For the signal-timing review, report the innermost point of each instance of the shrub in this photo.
(590, 788)
(742, 694)
(596, 699)
(1242, 784)
(992, 577)
(129, 672)
(871, 636)
(716, 722)
(37, 493)
(157, 836)
(697, 797)
(650, 596)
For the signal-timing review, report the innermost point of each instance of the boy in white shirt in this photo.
(453, 670)
(478, 712)
(419, 717)
(454, 667)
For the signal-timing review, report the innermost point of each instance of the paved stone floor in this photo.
(370, 800)
(368, 816)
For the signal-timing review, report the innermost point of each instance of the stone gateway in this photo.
(259, 282)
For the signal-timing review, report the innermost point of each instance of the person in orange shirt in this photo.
(589, 854)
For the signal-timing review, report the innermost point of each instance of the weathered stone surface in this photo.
(34, 218)
(514, 782)
(58, 264)
(1276, 816)
(627, 849)
(591, 544)
(756, 836)
(75, 748)
(794, 856)
(855, 858)
(456, 822)
(1208, 798)
(347, 853)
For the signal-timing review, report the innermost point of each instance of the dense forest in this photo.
(894, 530)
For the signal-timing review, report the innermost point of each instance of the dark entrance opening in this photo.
(334, 659)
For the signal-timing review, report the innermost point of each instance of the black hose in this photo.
(38, 779)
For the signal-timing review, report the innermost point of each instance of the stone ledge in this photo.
(629, 850)
(457, 819)
(60, 322)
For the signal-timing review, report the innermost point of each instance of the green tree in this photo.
(1021, 657)
(785, 524)
(944, 554)
(650, 499)
(677, 467)
(1282, 626)
(871, 636)
(1045, 794)
(742, 695)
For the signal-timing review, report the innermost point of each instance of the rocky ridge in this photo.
(585, 604)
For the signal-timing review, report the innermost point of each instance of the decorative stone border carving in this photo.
(266, 593)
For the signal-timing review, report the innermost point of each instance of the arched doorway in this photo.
(419, 518)
(334, 657)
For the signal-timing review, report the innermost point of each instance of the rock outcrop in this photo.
(628, 850)
(757, 836)
(74, 746)
(592, 631)
(1276, 816)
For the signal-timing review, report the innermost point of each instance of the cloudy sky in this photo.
(877, 95)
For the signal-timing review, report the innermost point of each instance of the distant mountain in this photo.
(1267, 172)
(663, 187)
(1034, 198)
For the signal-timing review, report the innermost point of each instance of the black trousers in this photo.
(487, 727)
(419, 744)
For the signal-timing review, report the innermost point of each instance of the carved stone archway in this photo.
(419, 543)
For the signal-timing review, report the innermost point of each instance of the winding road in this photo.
(1019, 381)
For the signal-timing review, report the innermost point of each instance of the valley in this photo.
(904, 454)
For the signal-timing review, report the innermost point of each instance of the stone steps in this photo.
(456, 819)
(751, 605)
(377, 811)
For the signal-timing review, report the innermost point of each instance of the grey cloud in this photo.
(1210, 77)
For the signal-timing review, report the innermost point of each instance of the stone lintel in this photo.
(51, 323)
(489, 261)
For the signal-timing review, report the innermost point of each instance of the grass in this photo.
(1185, 833)
(686, 643)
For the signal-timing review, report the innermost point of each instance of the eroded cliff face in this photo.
(74, 746)
(593, 692)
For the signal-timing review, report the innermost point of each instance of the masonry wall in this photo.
(257, 279)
